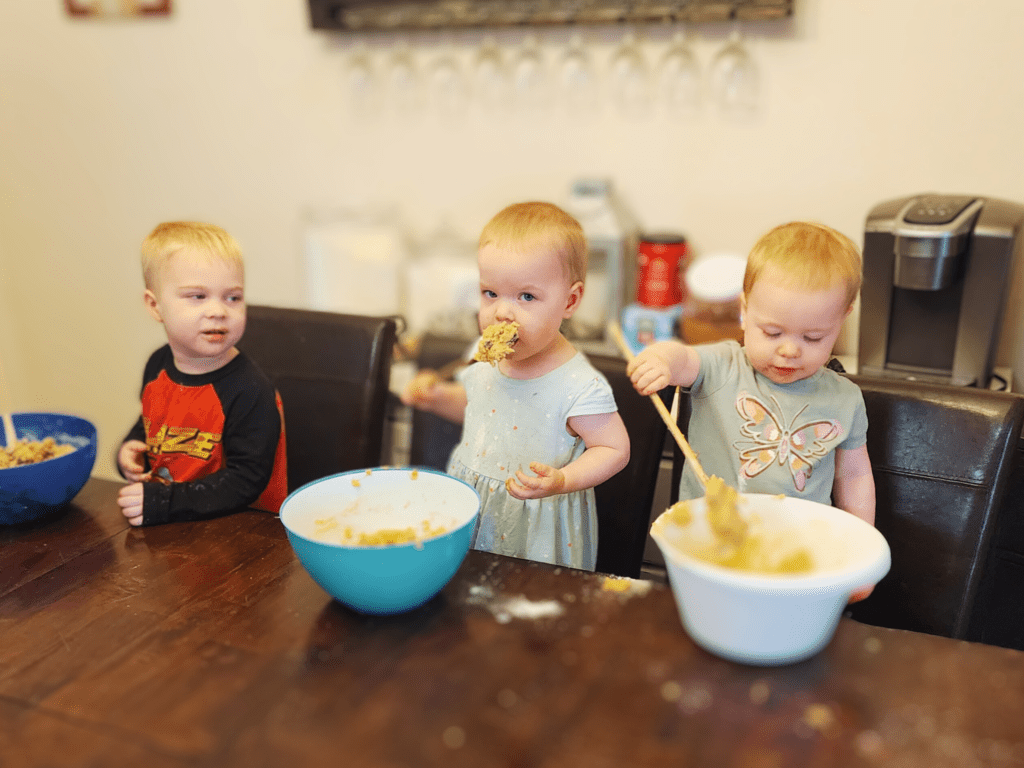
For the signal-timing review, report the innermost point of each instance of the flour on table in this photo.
(519, 607)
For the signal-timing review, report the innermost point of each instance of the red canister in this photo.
(661, 260)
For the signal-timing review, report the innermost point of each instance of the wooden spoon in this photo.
(670, 422)
(10, 436)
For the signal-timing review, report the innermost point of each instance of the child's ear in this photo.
(572, 303)
(149, 299)
(743, 311)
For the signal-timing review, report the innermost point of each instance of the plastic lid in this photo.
(716, 277)
(663, 238)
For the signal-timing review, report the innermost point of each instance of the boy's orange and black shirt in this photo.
(217, 437)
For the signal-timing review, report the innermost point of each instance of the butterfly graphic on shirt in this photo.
(771, 438)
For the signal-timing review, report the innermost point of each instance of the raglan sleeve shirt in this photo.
(215, 434)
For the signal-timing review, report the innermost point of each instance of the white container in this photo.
(355, 264)
(442, 286)
(770, 619)
(716, 278)
(714, 285)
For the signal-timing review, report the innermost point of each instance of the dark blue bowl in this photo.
(31, 491)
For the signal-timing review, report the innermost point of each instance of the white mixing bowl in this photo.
(769, 619)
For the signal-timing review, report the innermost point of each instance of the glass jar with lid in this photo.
(714, 284)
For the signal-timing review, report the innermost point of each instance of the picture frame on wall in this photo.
(118, 8)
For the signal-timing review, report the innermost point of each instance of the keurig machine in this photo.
(937, 276)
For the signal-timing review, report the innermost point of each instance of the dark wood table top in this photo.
(206, 644)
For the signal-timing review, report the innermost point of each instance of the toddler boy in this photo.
(210, 439)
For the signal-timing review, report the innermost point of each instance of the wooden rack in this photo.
(369, 15)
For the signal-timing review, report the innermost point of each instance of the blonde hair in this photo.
(811, 256)
(538, 225)
(171, 237)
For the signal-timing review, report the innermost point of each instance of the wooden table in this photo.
(207, 644)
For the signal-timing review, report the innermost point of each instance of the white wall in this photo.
(233, 111)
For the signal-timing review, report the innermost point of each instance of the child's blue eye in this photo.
(527, 297)
(489, 294)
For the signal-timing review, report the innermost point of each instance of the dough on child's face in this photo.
(529, 287)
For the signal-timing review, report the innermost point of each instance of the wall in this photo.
(234, 111)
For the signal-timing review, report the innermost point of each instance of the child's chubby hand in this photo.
(422, 391)
(129, 499)
(132, 460)
(649, 371)
(861, 593)
(547, 482)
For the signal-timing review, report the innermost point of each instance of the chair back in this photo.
(433, 438)
(332, 373)
(999, 606)
(942, 457)
(623, 501)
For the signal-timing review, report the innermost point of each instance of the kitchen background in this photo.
(239, 113)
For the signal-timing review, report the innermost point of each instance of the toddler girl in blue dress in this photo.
(540, 427)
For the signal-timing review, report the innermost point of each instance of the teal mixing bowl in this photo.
(32, 491)
(324, 520)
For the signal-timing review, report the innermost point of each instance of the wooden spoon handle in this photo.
(447, 371)
(681, 441)
(10, 436)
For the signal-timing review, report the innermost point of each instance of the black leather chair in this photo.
(332, 372)
(432, 438)
(942, 459)
(998, 617)
(623, 501)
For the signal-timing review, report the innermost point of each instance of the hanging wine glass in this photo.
(404, 86)
(679, 80)
(578, 82)
(361, 81)
(490, 78)
(529, 80)
(447, 85)
(734, 80)
(629, 78)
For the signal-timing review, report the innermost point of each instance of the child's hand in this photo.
(428, 392)
(129, 499)
(131, 460)
(662, 364)
(861, 593)
(548, 482)
(422, 390)
(649, 372)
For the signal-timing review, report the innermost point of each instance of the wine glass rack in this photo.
(380, 15)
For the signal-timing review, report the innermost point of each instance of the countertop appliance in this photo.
(938, 272)
(611, 240)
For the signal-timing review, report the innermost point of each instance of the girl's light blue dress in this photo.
(512, 422)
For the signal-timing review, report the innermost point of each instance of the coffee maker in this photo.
(938, 272)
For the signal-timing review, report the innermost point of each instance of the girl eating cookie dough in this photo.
(540, 424)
